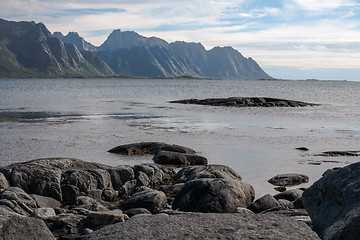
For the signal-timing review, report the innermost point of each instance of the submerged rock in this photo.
(290, 179)
(333, 203)
(149, 148)
(246, 102)
(302, 149)
(340, 153)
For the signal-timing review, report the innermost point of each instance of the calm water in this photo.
(84, 118)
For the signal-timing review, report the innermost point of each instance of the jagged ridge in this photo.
(29, 49)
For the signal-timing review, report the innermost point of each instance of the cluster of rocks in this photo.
(246, 102)
(340, 153)
(72, 199)
(165, 154)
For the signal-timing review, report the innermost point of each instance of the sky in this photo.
(289, 39)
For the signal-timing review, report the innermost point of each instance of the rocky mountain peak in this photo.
(129, 39)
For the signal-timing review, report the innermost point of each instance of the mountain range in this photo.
(29, 49)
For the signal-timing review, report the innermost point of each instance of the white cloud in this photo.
(318, 5)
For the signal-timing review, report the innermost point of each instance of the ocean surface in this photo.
(83, 118)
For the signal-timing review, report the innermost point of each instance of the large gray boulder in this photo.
(207, 226)
(220, 195)
(333, 203)
(152, 200)
(211, 188)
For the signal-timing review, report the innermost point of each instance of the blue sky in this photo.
(292, 39)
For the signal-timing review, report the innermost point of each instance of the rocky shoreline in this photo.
(64, 198)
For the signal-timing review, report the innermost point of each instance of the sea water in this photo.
(83, 118)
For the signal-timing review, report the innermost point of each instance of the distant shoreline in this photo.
(174, 78)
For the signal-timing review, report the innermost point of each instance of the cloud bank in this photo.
(299, 35)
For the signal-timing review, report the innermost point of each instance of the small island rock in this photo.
(290, 179)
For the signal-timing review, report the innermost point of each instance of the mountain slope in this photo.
(38, 53)
(9, 66)
(226, 62)
(145, 62)
(74, 38)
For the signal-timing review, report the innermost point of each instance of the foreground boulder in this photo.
(211, 188)
(207, 226)
(333, 203)
(14, 226)
(246, 102)
(217, 195)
